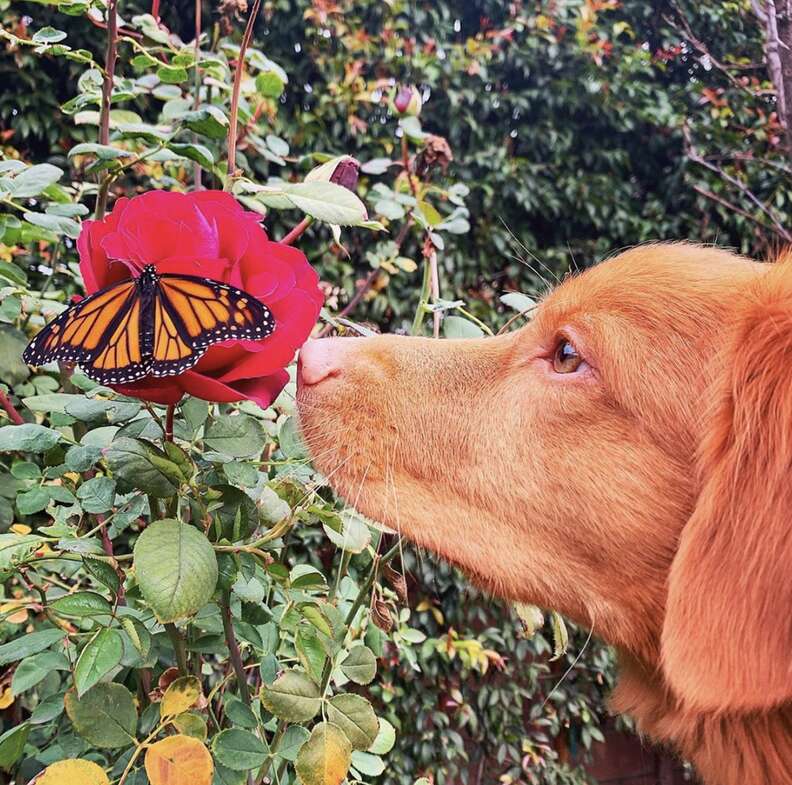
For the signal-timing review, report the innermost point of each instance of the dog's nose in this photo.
(320, 359)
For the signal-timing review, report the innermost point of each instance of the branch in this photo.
(696, 158)
(732, 207)
(240, 67)
(289, 238)
(197, 184)
(10, 409)
(111, 55)
(233, 648)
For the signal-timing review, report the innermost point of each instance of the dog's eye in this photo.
(566, 358)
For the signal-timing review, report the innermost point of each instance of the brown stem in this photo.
(103, 26)
(169, 422)
(435, 288)
(179, 648)
(111, 54)
(732, 207)
(197, 184)
(10, 409)
(240, 67)
(107, 547)
(233, 648)
(289, 238)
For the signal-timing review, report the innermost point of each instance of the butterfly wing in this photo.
(191, 313)
(101, 333)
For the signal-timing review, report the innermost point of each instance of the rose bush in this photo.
(208, 233)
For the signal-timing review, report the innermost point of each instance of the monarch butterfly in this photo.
(157, 324)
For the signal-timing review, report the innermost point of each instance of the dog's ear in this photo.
(727, 636)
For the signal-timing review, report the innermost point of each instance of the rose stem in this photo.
(233, 647)
(10, 409)
(297, 231)
(169, 422)
(240, 67)
(155, 4)
(179, 647)
(197, 185)
(107, 94)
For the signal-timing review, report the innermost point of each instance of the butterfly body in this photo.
(155, 324)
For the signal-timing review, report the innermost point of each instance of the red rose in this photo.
(208, 233)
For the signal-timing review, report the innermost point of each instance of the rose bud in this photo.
(346, 173)
(408, 101)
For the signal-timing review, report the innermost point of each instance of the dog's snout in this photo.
(320, 359)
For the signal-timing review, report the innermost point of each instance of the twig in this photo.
(733, 207)
(10, 409)
(234, 114)
(103, 26)
(111, 55)
(155, 6)
(233, 647)
(435, 289)
(697, 158)
(291, 236)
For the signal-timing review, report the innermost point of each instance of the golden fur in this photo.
(648, 496)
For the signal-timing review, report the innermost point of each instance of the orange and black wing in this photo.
(190, 314)
(101, 333)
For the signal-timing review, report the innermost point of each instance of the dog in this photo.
(624, 458)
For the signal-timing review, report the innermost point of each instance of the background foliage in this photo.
(575, 127)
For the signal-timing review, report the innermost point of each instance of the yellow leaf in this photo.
(179, 760)
(73, 772)
(180, 695)
(325, 758)
(6, 698)
(20, 528)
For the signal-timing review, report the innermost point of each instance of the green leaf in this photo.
(103, 572)
(12, 745)
(195, 152)
(81, 604)
(385, 740)
(366, 763)
(28, 645)
(105, 716)
(291, 742)
(206, 121)
(269, 85)
(360, 665)
(355, 716)
(170, 75)
(518, 301)
(54, 223)
(32, 501)
(48, 35)
(10, 272)
(12, 368)
(97, 494)
(104, 152)
(239, 750)
(141, 465)
(34, 180)
(560, 635)
(28, 438)
(293, 696)
(355, 535)
(176, 569)
(326, 201)
(100, 655)
(325, 758)
(238, 436)
(457, 327)
(35, 669)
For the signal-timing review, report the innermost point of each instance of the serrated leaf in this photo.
(560, 635)
(73, 772)
(325, 758)
(142, 466)
(179, 760)
(81, 604)
(239, 750)
(180, 695)
(176, 569)
(238, 436)
(385, 740)
(360, 665)
(327, 202)
(191, 724)
(28, 437)
(33, 180)
(293, 696)
(105, 716)
(97, 494)
(355, 716)
(100, 655)
(368, 764)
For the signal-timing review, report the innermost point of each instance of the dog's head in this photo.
(624, 458)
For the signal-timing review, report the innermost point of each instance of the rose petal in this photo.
(162, 391)
(263, 390)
